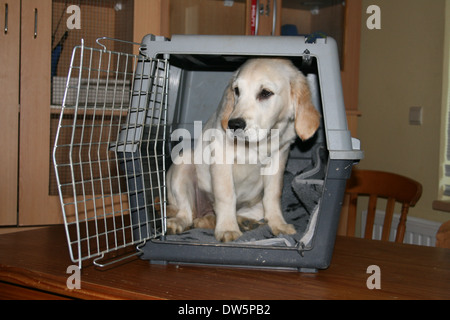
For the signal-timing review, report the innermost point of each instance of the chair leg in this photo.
(370, 216)
(388, 219)
(402, 224)
(351, 221)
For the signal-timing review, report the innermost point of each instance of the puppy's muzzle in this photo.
(237, 124)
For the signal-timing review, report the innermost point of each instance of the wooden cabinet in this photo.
(29, 104)
(25, 79)
(36, 206)
(9, 109)
(342, 21)
(238, 17)
(31, 29)
(336, 18)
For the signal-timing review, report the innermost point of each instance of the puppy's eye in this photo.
(236, 91)
(265, 94)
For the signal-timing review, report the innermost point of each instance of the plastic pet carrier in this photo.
(113, 148)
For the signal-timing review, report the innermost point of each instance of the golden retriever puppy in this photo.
(236, 169)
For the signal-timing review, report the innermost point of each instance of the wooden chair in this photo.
(378, 184)
(443, 236)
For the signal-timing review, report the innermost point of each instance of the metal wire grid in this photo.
(109, 152)
(112, 18)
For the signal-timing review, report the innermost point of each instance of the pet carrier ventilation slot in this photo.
(111, 158)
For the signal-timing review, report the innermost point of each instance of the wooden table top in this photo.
(38, 260)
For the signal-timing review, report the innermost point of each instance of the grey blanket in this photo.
(300, 202)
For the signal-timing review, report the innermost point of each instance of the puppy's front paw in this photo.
(176, 226)
(206, 222)
(227, 236)
(283, 228)
(247, 224)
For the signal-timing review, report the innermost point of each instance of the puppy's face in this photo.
(262, 97)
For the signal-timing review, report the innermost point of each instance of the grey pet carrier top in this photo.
(113, 149)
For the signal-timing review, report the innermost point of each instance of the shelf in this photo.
(311, 4)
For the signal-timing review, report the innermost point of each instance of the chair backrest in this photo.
(443, 236)
(378, 184)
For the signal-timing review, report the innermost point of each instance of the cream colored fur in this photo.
(267, 94)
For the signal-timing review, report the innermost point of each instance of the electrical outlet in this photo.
(415, 116)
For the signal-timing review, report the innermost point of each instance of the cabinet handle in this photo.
(35, 22)
(257, 17)
(274, 20)
(260, 10)
(6, 18)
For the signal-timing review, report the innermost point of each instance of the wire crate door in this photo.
(109, 152)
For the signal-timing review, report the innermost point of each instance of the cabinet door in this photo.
(217, 17)
(269, 17)
(150, 16)
(350, 63)
(9, 108)
(36, 206)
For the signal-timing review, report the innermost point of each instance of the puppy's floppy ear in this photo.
(307, 119)
(227, 106)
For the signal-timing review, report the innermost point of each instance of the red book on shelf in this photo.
(253, 18)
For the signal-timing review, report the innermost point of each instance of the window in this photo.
(443, 202)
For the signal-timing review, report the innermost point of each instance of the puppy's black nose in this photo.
(237, 124)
